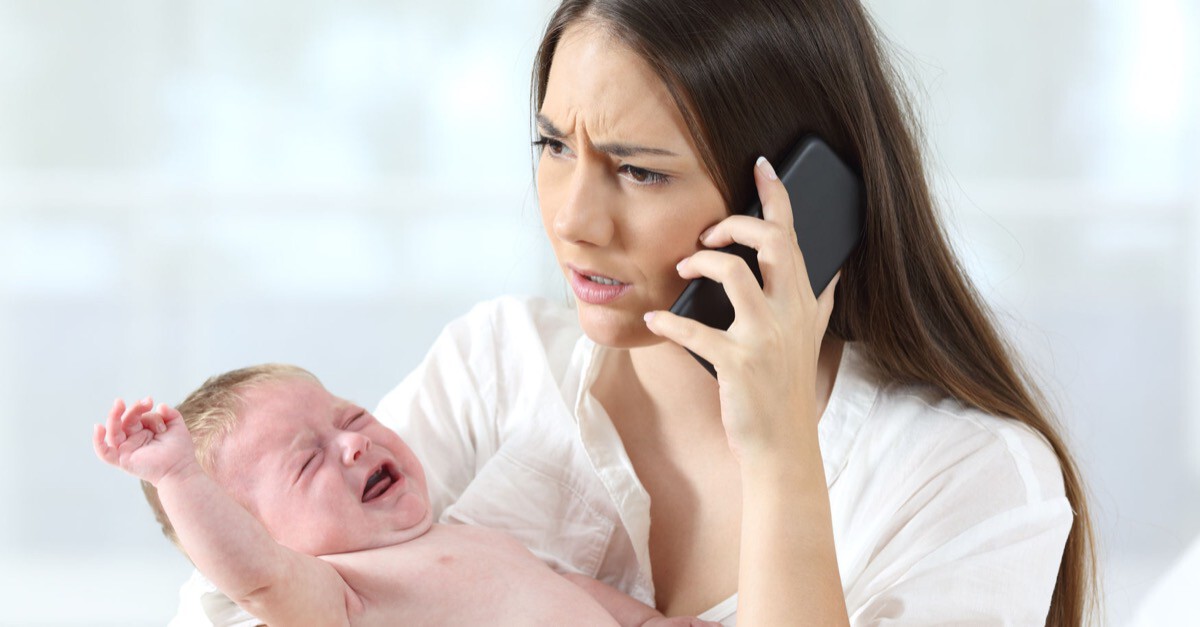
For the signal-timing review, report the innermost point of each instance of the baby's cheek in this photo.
(288, 522)
(335, 534)
(331, 523)
(304, 535)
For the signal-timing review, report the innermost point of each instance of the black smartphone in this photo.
(828, 207)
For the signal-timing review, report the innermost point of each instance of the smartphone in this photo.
(828, 207)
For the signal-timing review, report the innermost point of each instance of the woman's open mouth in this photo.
(380, 482)
(596, 289)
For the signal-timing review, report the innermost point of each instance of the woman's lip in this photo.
(587, 273)
(592, 292)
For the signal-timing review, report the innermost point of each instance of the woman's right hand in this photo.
(767, 360)
(147, 444)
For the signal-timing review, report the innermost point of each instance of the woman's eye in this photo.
(553, 146)
(642, 176)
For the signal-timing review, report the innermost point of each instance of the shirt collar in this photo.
(854, 393)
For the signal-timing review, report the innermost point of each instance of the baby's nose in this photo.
(353, 447)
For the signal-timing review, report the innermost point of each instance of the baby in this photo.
(305, 510)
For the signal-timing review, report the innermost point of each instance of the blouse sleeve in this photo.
(445, 410)
(976, 535)
(477, 388)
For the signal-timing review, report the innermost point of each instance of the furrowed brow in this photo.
(616, 149)
(628, 150)
(548, 127)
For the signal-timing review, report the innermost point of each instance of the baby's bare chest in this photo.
(456, 574)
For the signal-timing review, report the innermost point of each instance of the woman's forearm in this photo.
(788, 571)
(626, 610)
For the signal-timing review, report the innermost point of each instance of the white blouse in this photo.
(941, 514)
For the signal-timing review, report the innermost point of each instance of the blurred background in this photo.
(195, 185)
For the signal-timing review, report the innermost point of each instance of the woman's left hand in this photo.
(766, 362)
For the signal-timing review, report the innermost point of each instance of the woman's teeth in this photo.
(603, 281)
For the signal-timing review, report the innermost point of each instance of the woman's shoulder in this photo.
(952, 421)
(501, 342)
(925, 435)
(517, 318)
(516, 327)
(935, 492)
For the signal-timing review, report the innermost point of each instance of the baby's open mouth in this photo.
(379, 482)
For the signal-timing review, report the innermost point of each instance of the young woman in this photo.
(652, 115)
(874, 455)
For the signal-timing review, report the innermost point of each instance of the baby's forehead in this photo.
(276, 416)
(244, 447)
(293, 399)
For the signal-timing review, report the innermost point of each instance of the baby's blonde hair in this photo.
(210, 413)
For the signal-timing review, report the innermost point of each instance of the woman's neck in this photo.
(666, 382)
(667, 371)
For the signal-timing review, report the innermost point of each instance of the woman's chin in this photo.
(615, 328)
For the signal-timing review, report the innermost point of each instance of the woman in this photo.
(738, 80)
(878, 460)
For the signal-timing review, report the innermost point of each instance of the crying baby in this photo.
(304, 510)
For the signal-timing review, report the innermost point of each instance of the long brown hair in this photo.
(752, 76)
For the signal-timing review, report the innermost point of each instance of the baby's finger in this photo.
(114, 434)
(169, 413)
(133, 415)
(137, 409)
(131, 422)
(137, 440)
(118, 408)
(154, 422)
(103, 451)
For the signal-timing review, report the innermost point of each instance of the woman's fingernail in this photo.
(766, 168)
(679, 266)
(648, 316)
(707, 232)
(162, 428)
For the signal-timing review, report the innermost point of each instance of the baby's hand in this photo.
(147, 444)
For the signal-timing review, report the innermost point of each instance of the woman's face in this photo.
(623, 194)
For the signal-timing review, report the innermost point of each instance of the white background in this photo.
(190, 186)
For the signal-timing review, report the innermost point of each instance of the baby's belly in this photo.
(457, 575)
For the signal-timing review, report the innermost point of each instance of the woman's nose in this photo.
(353, 446)
(585, 217)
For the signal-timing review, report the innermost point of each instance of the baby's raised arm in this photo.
(226, 543)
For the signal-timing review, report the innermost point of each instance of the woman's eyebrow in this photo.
(616, 149)
(548, 127)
